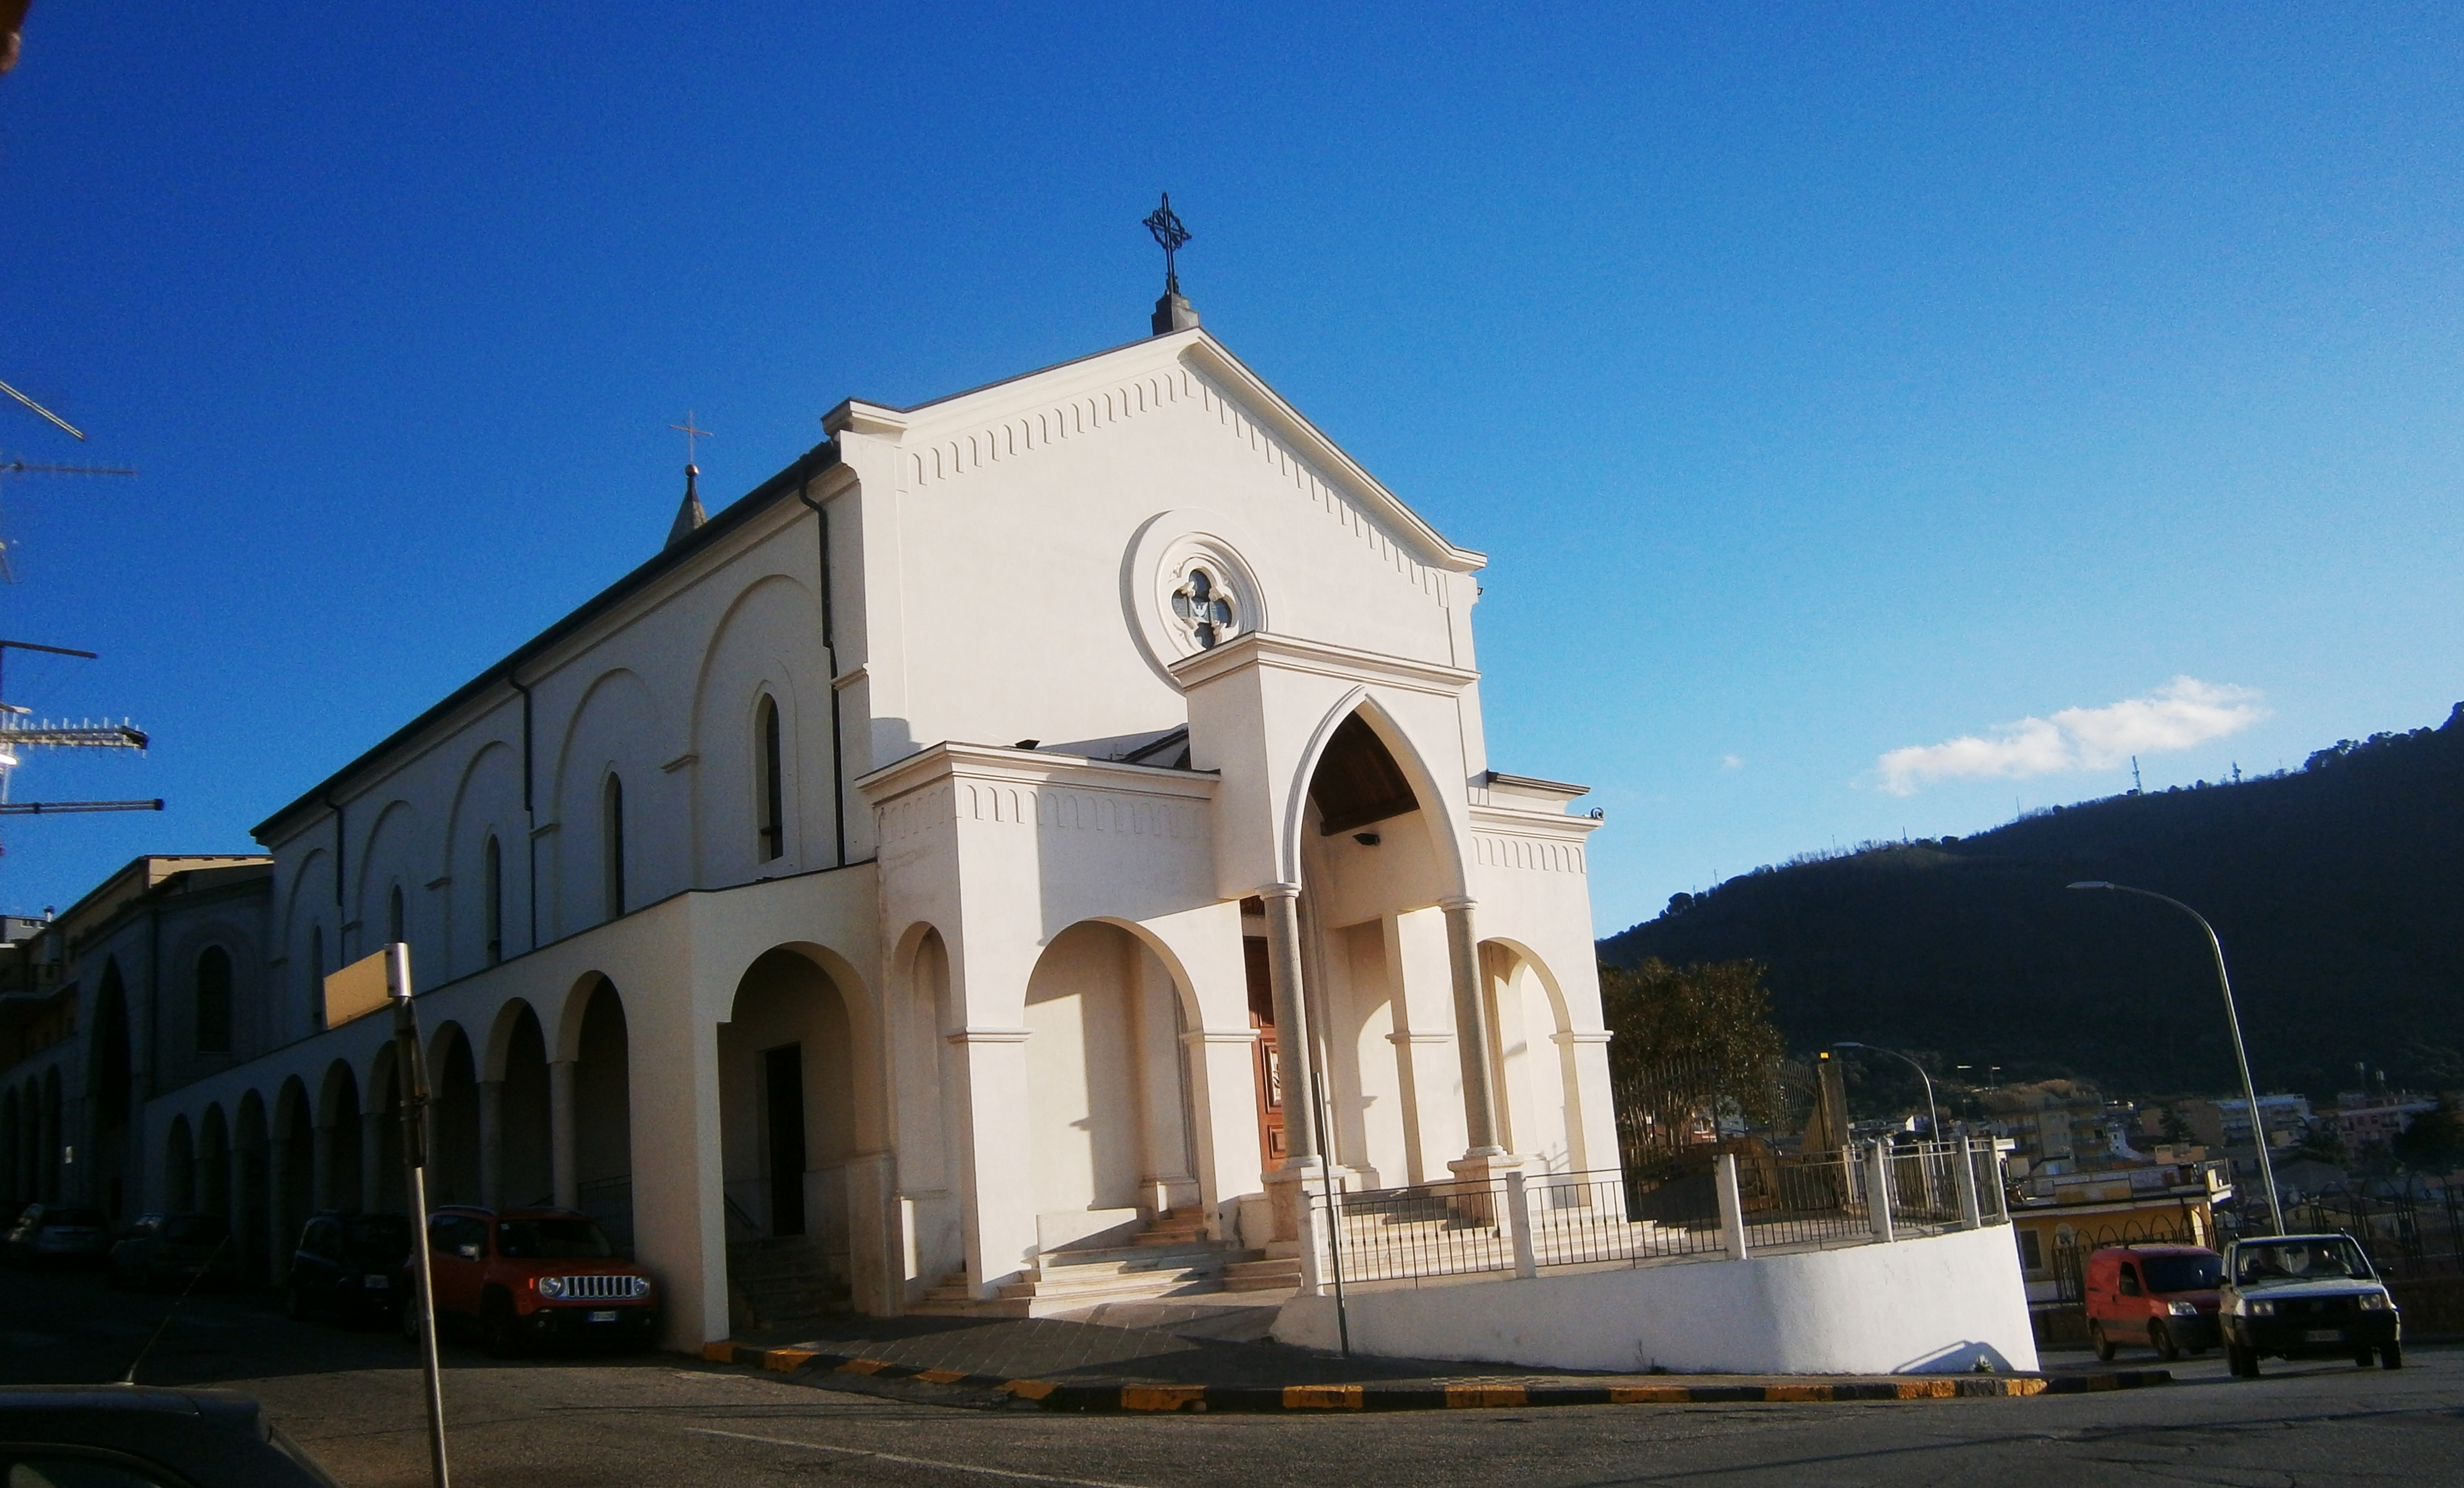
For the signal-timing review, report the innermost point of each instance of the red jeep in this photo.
(521, 1276)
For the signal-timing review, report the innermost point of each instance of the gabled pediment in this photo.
(951, 439)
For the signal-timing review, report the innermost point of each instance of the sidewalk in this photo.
(1187, 1357)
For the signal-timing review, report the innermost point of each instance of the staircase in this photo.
(783, 1279)
(1171, 1257)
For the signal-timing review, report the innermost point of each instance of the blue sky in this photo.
(1824, 382)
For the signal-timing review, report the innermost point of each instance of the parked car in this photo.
(2306, 1297)
(525, 1277)
(175, 1250)
(142, 1436)
(2162, 1296)
(58, 1233)
(350, 1267)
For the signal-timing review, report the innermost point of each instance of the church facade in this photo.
(1032, 818)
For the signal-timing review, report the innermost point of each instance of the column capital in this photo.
(973, 1035)
(1291, 890)
(1218, 1035)
(1455, 901)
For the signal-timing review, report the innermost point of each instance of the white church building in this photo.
(1042, 816)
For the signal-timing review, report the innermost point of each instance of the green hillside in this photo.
(2338, 890)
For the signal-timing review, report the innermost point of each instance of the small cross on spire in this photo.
(688, 513)
(690, 433)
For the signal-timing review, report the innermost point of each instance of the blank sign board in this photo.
(357, 990)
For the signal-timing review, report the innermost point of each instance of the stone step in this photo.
(1060, 1264)
(1263, 1275)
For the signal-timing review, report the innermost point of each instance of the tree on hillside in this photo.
(2434, 1141)
(1694, 1045)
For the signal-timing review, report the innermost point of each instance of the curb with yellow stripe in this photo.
(1151, 1398)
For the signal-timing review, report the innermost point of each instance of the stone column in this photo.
(46, 1170)
(321, 1169)
(372, 1125)
(1303, 1173)
(491, 1143)
(201, 1182)
(564, 1173)
(1471, 1031)
(281, 1239)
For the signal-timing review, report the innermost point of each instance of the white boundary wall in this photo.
(1934, 1304)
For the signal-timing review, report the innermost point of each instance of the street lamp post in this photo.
(1934, 1114)
(2232, 1021)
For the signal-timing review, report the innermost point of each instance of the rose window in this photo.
(1205, 608)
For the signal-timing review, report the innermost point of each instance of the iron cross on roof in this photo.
(690, 433)
(1165, 224)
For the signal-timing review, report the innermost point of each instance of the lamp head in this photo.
(2090, 884)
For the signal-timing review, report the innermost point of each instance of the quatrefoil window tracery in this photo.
(1206, 607)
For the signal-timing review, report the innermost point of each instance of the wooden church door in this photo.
(1264, 1059)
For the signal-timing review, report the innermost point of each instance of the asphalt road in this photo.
(352, 1398)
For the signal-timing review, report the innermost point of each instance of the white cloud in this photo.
(1732, 762)
(2182, 713)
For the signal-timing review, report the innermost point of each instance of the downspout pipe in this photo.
(829, 645)
(530, 817)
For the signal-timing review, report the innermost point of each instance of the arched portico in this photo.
(592, 1148)
(517, 1139)
(248, 1204)
(109, 1096)
(796, 1076)
(1108, 1100)
(291, 1165)
(179, 1166)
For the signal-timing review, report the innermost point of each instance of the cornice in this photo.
(948, 761)
(1544, 824)
(1291, 654)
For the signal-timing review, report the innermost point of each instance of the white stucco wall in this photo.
(1933, 1305)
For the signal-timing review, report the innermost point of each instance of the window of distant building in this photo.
(773, 783)
(213, 1001)
(611, 847)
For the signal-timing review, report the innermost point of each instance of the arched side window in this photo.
(316, 976)
(492, 890)
(213, 1001)
(774, 789)
(393, 914)
(611, 847)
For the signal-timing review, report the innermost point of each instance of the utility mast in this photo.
(17, 730)
(24, 467)
(17, 733)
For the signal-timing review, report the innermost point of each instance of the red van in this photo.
(2162, 1296)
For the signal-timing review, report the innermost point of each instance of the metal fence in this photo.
(2413, 1234)
(1521, 1223)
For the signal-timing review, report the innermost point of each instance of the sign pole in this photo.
(410, 1071)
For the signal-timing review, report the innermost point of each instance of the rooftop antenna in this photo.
(72, 431)
(2135, 787)
(15, 733)
(19, 467)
